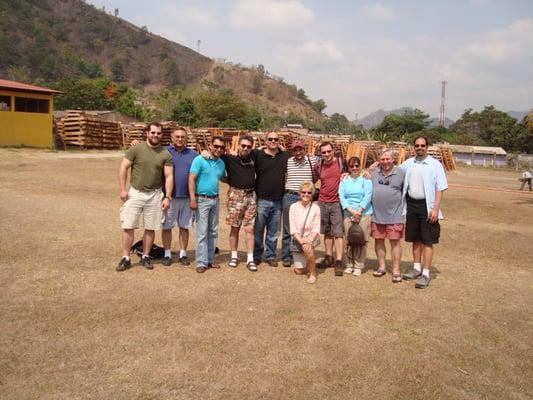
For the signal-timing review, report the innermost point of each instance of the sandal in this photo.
(233, 263)
(396, 278)
(379, 273)
(251, 266)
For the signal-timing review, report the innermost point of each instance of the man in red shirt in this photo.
(329, 171)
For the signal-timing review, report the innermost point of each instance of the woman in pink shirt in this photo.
(304, 221)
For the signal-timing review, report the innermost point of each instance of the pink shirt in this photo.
(297, 214)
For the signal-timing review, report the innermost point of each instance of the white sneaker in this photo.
(348, 270)
(357, 272)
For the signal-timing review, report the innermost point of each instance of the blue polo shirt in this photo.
(208, 173)
(182, 164)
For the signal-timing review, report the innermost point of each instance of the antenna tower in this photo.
(198, 43)
(442, 101)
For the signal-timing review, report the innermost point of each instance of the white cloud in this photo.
(271, 14)
(321, 49)
(379, 12)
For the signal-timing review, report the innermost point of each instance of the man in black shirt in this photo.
(242, 206)
(270, 168)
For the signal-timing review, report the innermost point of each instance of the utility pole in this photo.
(442, 101)
(198, 43)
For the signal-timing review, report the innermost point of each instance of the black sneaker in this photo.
(167, 261)
(123, 265)
(339, 269)
(185, 261)
(146, 262)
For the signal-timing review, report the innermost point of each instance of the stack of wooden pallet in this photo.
(86, 130)
(133, 132)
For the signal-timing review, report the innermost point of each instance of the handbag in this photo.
(296, 246)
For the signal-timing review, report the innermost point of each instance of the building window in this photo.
(5, 103)
(26, 104)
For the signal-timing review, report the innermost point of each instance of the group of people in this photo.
(271, 193)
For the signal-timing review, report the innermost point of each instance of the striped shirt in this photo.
(299, 171)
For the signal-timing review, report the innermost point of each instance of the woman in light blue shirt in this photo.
(355, 193)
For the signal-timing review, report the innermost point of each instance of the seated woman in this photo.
(355, 194)
(304, 221)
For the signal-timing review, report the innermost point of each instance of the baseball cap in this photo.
(297, 143)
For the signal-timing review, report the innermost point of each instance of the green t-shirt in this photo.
(147, 166)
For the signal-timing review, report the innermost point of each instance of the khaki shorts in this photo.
(146, 203)
(242, 208)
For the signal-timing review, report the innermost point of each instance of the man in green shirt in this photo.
(149, 162)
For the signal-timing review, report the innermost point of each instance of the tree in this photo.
(401, 127)
(84, 94)
(185, 112)
(318, 105)
(117, 70)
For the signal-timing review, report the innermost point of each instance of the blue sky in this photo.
(360, 56)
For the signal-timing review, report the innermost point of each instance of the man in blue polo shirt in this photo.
(204, 179)
(180, 212)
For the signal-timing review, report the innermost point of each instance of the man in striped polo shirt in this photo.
(299, 169)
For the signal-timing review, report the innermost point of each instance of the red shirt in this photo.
(330, 177)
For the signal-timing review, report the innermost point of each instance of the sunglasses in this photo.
(326, 151)
(306, 193)
(244, 146)
(180, 137)
(419, 145)
(354, 166)
(155, 133)
(218, 146)
(382, 182)
(273, 139)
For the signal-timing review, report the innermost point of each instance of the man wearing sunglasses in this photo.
(242, 205)
(180, 212)
(270, 168)
(148, 163)
(204, 177)
(425, 183)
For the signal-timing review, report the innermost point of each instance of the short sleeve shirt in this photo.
(147, 166)
(387, 196)
(241, 172)
(208, 173)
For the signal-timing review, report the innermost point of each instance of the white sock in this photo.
(250, 257)
(425, 272)
(183, 253)
(168, 253)
(417, 266)
(127, 258)
(234, 254)
(145, 255)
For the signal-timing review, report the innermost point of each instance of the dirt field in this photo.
(73, 328)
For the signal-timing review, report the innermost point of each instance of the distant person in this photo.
(299, 169)
(148, 162)
(270, 169)
(425, 183)
(526, 178)
(387, 217)
(242, 203)
(204, 177)
(304, 220)
(355, 194)
(180, 212)
(329, 171)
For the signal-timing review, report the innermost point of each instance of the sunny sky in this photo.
(360, 56)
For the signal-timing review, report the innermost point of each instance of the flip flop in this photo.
(378, 273)
(396, 278)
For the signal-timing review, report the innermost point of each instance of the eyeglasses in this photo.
(306, 193)
(419, 145)
(273, 139)
(382, 182)
(180, 137)
(218, 147)
(326, 151)
(354, 166)
(244, 146)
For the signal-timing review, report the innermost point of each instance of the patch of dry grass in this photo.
(71, 327)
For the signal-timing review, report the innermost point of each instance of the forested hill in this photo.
(48, 41)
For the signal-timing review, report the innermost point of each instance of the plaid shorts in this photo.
(242, 207)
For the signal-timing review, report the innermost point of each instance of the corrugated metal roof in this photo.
(24, 87)
(459, 148)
